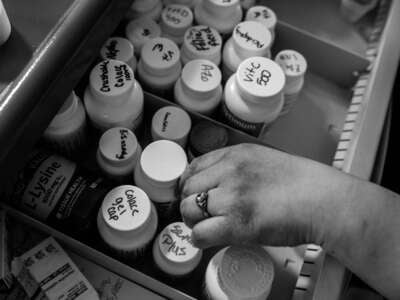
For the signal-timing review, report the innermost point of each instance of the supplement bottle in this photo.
(5, 26)
(175, 20)
(67, 131)
(201, 42)
(253, 96)
(159, 66)
(173, 250)
(120, 49)
(127, 221)
(265, 16)
(239, 272)
(118, 153)
(199, 88)
(145, 8)
(223, 15)
(248, 39)
(113, 97)
(140, 31)
(294, 65)
(171, 123)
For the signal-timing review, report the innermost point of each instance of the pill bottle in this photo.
(173, 250)
(171, 123)
(248, 39)
(144, 9)
(354, 10)
(118, 153)
(246, 4)
(265, 16)
(127, 221)
(201, 42)
(140, 31)
(239, 272)
(175, 20)
(159, 66)
(161, 164)
(294, 65)
(199, 88)
(113, 97)
(189, 3)
(67, 131)
(253, 96)
(120, 49)
(5, 26)
(222, 15)
(206, 137)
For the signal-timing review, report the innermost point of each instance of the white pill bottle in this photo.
(121, 49)
(5, 26)
(145, 8)
(263, 15)
(175, 20)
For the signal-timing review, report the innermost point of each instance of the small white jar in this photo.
(239, 272)
(175, 20)
(246, 4)
(5, 26)
(253, 96)
(354, 10)
(173, 250)
(219, 14)
(113, 97)
(294, 65)
(140, 31)
(190, 3)
(120, 49)
(127, 221)
(201, 42)
(67, 131)
(118, 153)
(144, 9)
(265, 16)
(248, 39)
(199, 88)
(159, 66)
(171, 123)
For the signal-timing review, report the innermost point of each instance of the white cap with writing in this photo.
(120, 49)
(175, 20)
(220, 8)
(141, 30)
(263, 15)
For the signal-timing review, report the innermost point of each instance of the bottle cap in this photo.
(220, 8)
(176, 19)
(190, 3)
(246, 272)
(202, 42)
(294, 65)
(260, 79)
(66, 111)
(160, 56)
(111, 81)
(176, 254)
(163, 162)
(263, 15)
(119, 49)
(171, 123)
(251, 39)
(143, 6)
(206, 136)
(140, 31)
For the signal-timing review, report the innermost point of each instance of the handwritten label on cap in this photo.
(111, 77)
(177, 15)
(252, 35)
(203, 39)
(292, 62)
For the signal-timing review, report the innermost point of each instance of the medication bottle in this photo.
(113, 97)
(120, 49)
(206, 137)
(171, 123)
(140, 31)
(189, 3)
(67, 131)
(239, 272)
(144, 9)
(161, 164)
(127, 221)
(248, 39)
(5, 26)
(201, 42)
(294, 65)
(265, 16)
(246, 4)
(159, 66)
(199, 88)
(118, 153)
(253, 96)
(173, 250)
(354, 10)
(223, 15)
(175, 20)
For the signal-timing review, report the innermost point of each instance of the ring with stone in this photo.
(202, 202)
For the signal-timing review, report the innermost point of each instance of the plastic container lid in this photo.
(117, 48)
(294, 65)
(263, 15)
(220, 8)
(140, 31)
(176, 19)
(171, 123)
(206, 136)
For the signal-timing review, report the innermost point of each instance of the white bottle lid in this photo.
(263, 15)
(202, 42)
(160, 56)
(143, 6)
(5, 26)
(163, 162)
(260, 79)
(174, 252)
(294, 65)
(119, 49)
(171, 123)
(140, 31)
(251, 39)
(111, 81)
(220, 8)
(176, 19)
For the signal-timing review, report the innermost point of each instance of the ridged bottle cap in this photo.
(119, 49)
(176, 19)
(206, 136)
(220, 8)
(140, 31)
(263, 15)
(294, 65)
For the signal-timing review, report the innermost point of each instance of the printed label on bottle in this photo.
(232, 120)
